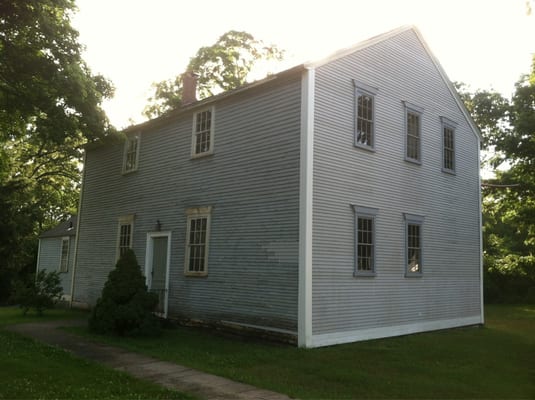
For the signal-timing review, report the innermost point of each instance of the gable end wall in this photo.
(345, 308)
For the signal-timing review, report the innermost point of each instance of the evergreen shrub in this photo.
(126, 307)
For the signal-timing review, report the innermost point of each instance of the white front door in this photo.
(157, 267)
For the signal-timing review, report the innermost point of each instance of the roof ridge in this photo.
(359, 46)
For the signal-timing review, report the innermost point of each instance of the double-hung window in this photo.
(197, 241)
(64, 255)
(364, 240)
(413, 245)
(131, 153)
(413, 133)
(203, 133)
(364, 115)
(125, 234)
(448, 145)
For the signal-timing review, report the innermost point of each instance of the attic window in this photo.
(203, 133)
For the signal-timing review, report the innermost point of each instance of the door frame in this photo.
(148, 264)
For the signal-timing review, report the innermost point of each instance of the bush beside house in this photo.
(39, 294)
(125, 307)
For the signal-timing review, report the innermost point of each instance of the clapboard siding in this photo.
(252, 183)
(401, 70)
(49, 259)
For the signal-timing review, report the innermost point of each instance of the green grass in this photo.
(30, 370)
(13, 315)
(495, 361)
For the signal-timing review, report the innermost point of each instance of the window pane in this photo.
(364, 120)
(413, 248)
(365, 244)
(197, 244)
(125, 234)
(64, 259)
(448, 149)
(202, 131)
(412, 148)
(413, 136)
(130, 162)
(191, 266)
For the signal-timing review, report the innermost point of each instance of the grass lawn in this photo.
(30, 370)
(495, 361)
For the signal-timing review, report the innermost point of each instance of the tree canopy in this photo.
(509, 198)
(225, 65)
(50, 105)
(44, 82)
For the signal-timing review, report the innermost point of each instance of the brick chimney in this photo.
(189, 88)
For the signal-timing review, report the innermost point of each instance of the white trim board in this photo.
(304, 320)
(148, 263)
(328, 339)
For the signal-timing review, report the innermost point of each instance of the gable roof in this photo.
(395, 32)
(65, 228)
(298, 69)
(259, 84)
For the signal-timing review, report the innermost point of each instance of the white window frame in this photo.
(369, 214)
(417, 111)
(362, 89)
(415, 220)
(448, 124)
(64, 261)
(197, 213)
(134, 139)
(125, 220)
(195, 133)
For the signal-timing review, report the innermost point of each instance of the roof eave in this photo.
(212, 99)
(449, 84)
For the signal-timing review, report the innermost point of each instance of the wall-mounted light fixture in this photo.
(158, 227)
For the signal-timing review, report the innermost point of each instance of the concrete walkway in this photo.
(173, 376)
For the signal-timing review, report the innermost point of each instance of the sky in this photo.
(484, 43)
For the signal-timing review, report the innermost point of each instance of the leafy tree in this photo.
(489, 109)
(125, 307)
(509, 198)
(49, 107)
(167, 96)
(225, 65)
(43, 80)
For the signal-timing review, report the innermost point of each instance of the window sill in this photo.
(362, 274)
(411, 275)
(201, 155)
(196, 274)
(413, 161)
(364, 147)
(131, 171)
(449, 171)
